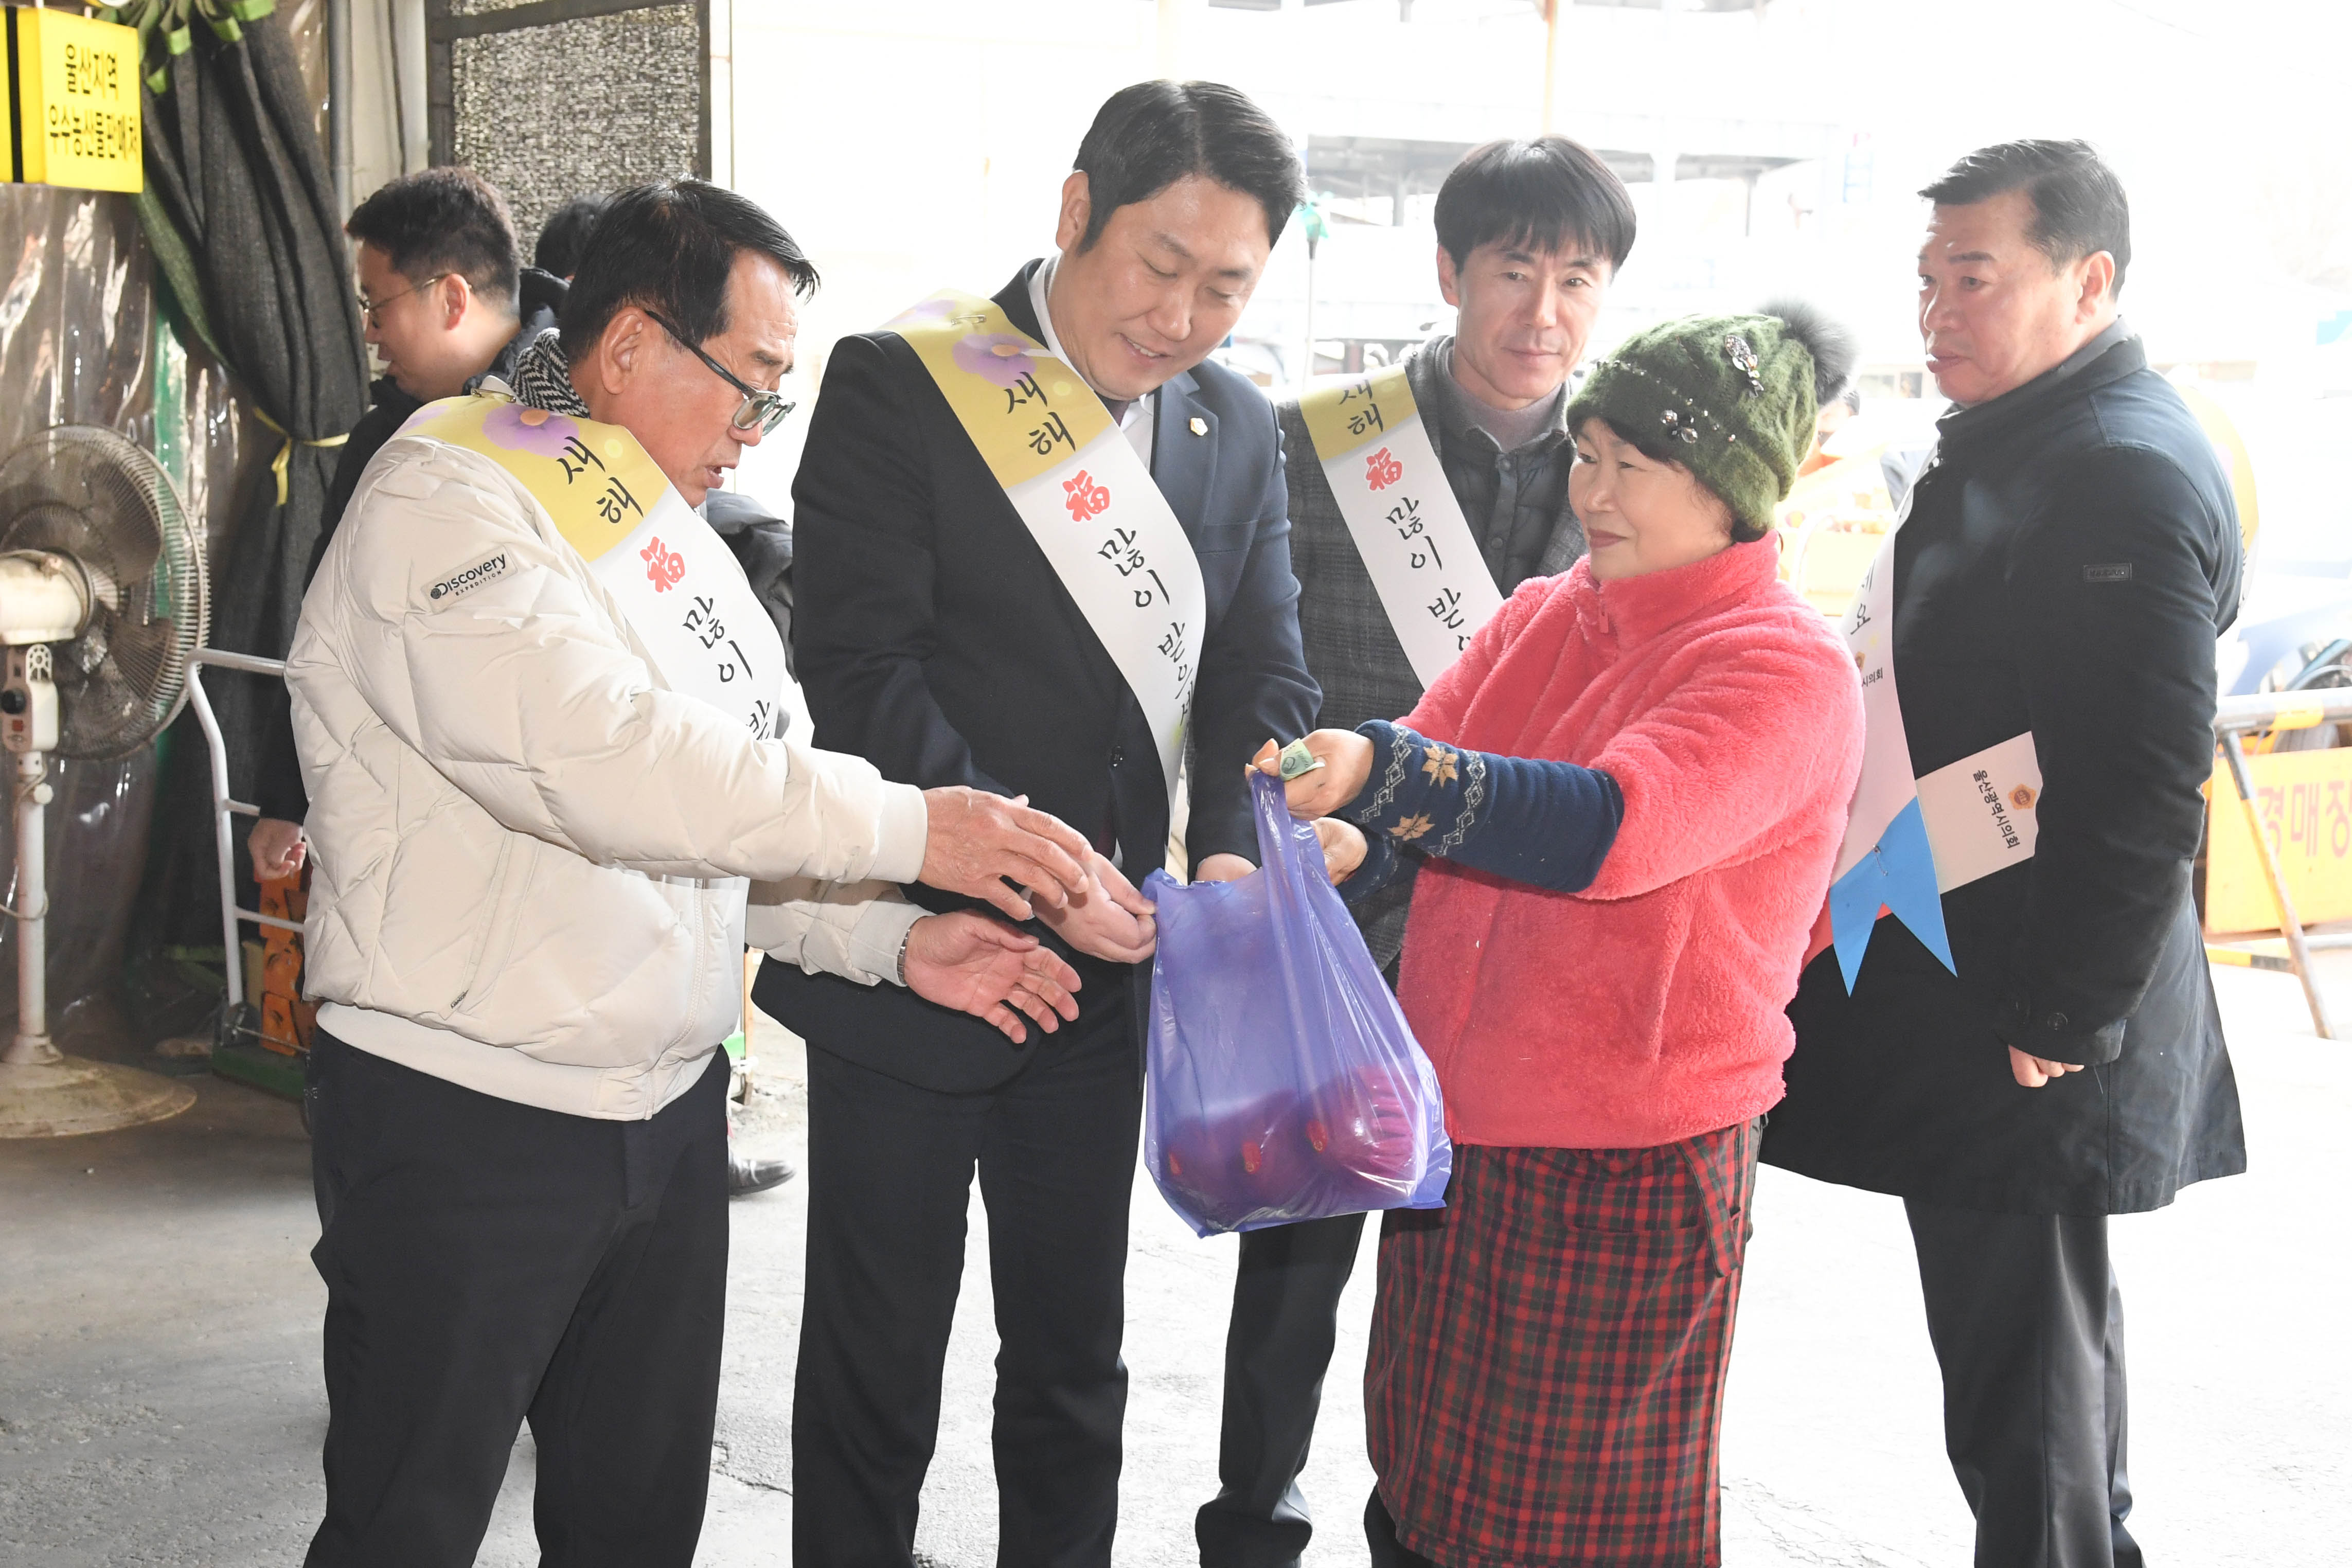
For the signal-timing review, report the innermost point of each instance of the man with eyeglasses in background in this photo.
(447, 302)
(536, 700)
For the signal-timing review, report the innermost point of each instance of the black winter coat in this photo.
(2066, 563)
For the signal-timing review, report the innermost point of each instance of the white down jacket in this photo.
(530, 857)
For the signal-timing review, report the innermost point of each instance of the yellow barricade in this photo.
(1831, 526)
(2305, 799)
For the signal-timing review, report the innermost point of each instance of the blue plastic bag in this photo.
(1281, 1081)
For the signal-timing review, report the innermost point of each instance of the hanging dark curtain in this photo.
(240, 211)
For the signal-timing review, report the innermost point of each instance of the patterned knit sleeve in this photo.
(1549, 824)
(1381, 861)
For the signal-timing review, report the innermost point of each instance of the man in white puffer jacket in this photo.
(534, 700)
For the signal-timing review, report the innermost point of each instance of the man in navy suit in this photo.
(935, 638)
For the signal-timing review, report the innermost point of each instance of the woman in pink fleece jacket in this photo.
(1630, 788)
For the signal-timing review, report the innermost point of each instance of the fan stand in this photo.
(45, 1093)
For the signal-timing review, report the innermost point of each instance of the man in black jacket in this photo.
(937, 639)
(447, 302)
(2068, 558)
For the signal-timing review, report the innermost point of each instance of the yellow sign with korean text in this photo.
(76, 119)
(2305, 800)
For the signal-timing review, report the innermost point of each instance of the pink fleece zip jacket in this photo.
(1647, 1008)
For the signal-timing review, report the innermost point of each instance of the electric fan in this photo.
(103, 604)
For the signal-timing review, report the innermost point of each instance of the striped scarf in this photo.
(543, 377)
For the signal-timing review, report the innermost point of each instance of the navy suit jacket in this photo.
(933, 638)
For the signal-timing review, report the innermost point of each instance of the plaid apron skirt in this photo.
(1546, 1378)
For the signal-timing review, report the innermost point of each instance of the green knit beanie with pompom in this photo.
(1731, 398)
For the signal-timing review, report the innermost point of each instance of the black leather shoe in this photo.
(746, 1176)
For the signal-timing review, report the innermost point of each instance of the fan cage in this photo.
(90, 494)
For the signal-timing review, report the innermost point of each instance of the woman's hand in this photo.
(1110, 921)
(1343, 847)
(977, 965)
(1346, 758)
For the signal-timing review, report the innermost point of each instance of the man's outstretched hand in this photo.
(1113, 921)
(981, 966)
(979, 840)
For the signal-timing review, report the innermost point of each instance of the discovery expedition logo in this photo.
(459, 584)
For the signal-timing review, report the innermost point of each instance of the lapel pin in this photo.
(1200, 427)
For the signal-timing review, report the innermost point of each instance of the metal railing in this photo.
(223, 807)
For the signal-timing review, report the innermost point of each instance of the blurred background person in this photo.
(1530, 234)
(446, 302)
(564, 238)
(1630, 792)
(1835, 415)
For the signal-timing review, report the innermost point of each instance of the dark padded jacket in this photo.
(2069, 557)
(278, 788)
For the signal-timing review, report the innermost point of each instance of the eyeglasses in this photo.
(760, 411)
(368, 310)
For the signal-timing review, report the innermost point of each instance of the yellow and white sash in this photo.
(1407, 526)
(1085, 495)
(678, 585)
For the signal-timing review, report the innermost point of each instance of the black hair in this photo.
(669, 247)
(2079, 206)
(564, 238)
(443, 220)
(1652, 445)
(1147, 137)
(1546, 193)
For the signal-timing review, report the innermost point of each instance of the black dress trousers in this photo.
(487, 1262)
(1279, 1344)
(1277, 1348)
(1380, 1534)
(2028, 1326)
(889, 1173)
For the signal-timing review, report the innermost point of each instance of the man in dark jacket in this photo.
(2068, 558)
(1530, 234)
(938, 637)
(447, 302)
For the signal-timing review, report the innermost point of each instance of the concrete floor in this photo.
(160, 1404)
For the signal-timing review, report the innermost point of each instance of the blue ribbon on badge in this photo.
(1900, 875)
